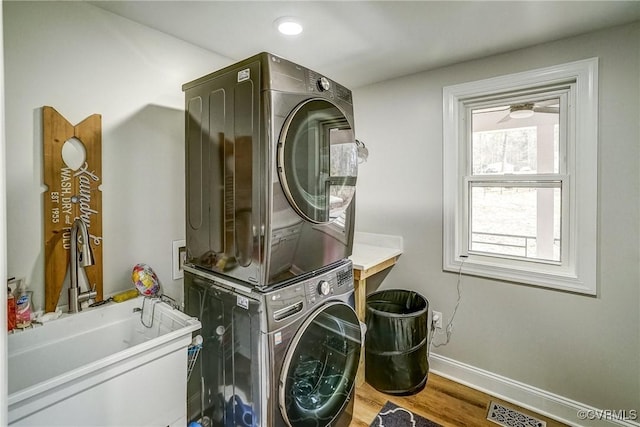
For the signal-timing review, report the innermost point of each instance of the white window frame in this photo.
(577, 271)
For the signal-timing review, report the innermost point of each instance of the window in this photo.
(520, 177)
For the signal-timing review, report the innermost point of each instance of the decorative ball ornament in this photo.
(145, 280)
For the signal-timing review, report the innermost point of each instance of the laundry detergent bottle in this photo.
(23, 306)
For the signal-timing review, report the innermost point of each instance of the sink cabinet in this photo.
(102, 367)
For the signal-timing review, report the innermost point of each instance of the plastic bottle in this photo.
(23, 306)
(11, 310)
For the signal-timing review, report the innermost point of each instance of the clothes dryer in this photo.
(271, 167)
(287, 357)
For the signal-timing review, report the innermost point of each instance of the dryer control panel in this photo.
(319, 83)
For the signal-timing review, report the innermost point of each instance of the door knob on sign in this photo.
(324, 287)
(323, 84)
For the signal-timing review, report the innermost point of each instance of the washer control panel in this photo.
(295, 299)
(334, 282)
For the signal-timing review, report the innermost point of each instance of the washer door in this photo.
(318, 160)
(320, 367)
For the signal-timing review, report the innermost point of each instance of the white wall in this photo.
(3, 232)
(83, 60)
(582, 348)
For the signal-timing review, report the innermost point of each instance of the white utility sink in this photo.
(102, 366)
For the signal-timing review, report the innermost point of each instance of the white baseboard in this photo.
(542, 402)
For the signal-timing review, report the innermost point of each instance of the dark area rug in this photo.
(392, 415)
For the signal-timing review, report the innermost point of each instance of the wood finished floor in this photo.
(443, 401)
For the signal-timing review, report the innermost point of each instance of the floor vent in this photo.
(509, 417)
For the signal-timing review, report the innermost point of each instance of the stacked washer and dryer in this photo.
(271, 171)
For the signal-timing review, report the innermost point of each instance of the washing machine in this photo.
(271, 169)
(315, 353)
(286, 357)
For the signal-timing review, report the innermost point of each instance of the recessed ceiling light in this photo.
(288, 26)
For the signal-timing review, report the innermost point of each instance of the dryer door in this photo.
(320, 367)
(318, 160)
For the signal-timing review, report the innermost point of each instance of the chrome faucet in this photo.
(80, 257)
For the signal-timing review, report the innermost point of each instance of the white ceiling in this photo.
(362, 42)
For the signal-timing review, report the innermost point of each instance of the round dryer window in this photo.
(320, 367)
(318, 161)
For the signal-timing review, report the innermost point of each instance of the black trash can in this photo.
(396, 341)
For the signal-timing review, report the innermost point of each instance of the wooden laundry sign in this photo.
(73, 174)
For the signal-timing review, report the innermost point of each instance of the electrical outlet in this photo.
(436, 320)
(178, 259)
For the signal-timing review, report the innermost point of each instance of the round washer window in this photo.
(320, 368)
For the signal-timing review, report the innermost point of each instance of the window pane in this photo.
(516, 138)
(521, 222)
